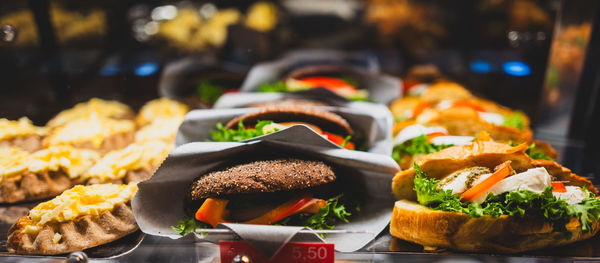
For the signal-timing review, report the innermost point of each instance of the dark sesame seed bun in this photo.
(325, 120)
(262, 177)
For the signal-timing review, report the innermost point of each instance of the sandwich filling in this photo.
(343, 86)
(263, 127)
(481, 191)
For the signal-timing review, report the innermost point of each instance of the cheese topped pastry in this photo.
(101, 108)
(160, 108)
(163, 129)
(79, 218)
(92, 133)
(21, 133)
(45, 173)
(116, 165)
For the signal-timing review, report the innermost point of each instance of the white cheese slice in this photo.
(534, 179)
(574, 195)
(445, 104)
(414, 131)
(493, 118)
(454, 140)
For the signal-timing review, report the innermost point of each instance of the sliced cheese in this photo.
(452, 140)
(414, 131)
(573, 195)
(493, 118)
(534, 179)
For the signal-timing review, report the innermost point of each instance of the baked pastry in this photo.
(160, 108)
(98, 107)
(491, 197)
(21, 133)
(80, 218)
(135, 163)
(100, 134)
(43, 174)
(163, 129)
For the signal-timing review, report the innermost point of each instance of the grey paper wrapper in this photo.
(370, 121)
(158, 204)
(245, 99)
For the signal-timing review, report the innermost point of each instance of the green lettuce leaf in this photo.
(518, 203)
(208, 92)
(189, 225)
(517, 120)
(273, 87)
(417, 145)
(239, 134)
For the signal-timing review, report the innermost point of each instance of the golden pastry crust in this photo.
(33, 186)
(110, 143)
(83, 232)
(507, 234)
(480, 153)
(445, 91)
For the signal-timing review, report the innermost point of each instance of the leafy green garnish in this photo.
(208, 92)
(223, 134)
(517, 120)
(189, 225)
(417, 145)
(536, 154)
(273, 87)
(334, 211)
(516, 203)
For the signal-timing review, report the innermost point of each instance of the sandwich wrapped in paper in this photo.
(293, 177)
(488, 196)
(447, 114)
(352, 128)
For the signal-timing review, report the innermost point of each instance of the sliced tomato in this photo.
(435, 134)
(327, 82)
(212, 211)
(559, 187)
(502, 172)
(339, 140)
(468, 104)
(420, 108)
(301, 203)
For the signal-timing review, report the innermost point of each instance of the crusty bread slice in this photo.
(84, 232)
(506, 234)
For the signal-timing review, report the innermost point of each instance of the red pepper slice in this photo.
(502, 172)
(420, 108)
(326, 82)
(212, 211)
(339, 140)
(559, 187)
(468, 104)
(435, 134)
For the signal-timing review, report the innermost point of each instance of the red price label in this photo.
(293, 252)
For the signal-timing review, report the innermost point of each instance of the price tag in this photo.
(293, 252)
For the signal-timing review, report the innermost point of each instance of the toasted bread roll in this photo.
(459, 231)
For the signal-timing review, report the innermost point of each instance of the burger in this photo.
(271, 119)
(492, 197)
(281, 191)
